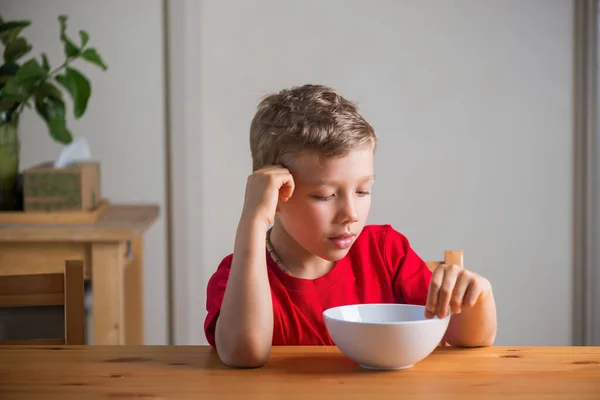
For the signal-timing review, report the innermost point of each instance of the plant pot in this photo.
(10, 191)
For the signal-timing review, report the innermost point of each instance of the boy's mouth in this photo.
(342, 236)
(343, 241)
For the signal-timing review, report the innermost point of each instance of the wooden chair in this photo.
(56, 289)
(450, 257)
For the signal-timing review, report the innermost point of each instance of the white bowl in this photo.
(384, 336)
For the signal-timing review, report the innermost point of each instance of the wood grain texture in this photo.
(450, 257)
(195, 372)
(28, 258)
(72, 217)
(119, 222)
(64, 288)
(107, 293)
(74, 303)
(133, 295)
(30, 342)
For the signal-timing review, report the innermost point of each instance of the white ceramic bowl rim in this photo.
(327, 314)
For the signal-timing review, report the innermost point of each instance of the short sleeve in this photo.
(214, 298)
(412, 276)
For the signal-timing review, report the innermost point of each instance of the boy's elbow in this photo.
(489, 338)
(489, 341)
(243, 352)
(242, 356)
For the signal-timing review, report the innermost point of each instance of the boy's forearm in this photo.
(244, 330)
(474, 327)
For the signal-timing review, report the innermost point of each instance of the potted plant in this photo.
(35, 85)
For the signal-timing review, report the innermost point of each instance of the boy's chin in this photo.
(334, 254)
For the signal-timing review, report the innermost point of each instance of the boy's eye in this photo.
(321, 198)
(361, 193)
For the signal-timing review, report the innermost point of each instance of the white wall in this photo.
(595, 296)
(125, 118)
(472, 104)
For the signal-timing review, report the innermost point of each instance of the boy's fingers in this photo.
(472, 294)
(286, 186)
(432, 296)
(458, 294)
(445, 293)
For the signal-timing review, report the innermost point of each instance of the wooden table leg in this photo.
(133, 282)
(107, 293)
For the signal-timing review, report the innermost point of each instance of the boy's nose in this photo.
(348, 212)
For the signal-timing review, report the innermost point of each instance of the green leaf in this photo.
(9, 69)
(85, 37)
(79, 88)
(6, 71)
(19, 87)
(45, 62)
(10, 30)
(92, 56)
(52, 110)
(50, 90)
(5, 105)
(14, 90)
(70, 49)
(30, 72)
(16, 49)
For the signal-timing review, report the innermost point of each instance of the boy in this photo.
(313, 169)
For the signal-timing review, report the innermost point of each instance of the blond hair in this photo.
(307, 118)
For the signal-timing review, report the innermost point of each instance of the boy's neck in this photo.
(297, 260)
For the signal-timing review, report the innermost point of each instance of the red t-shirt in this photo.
(380, 267)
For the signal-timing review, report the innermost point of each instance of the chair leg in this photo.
(74, 303)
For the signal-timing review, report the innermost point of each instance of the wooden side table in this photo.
(112, 252)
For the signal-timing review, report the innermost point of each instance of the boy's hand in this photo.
(453, 288)
(264, 188)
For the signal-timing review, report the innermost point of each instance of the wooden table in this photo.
(195, 372)
(111, 249)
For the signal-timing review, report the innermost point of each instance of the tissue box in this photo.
(76, 187)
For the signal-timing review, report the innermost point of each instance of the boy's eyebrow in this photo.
(324, 182)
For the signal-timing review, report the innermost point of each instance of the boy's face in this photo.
(330, 203)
